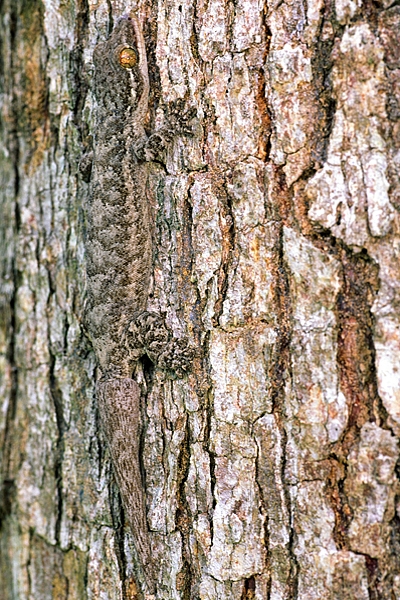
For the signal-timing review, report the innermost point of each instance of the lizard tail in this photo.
(119, 405)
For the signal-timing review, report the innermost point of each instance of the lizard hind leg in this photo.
(148, 330)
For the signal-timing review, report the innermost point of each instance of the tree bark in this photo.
(269, 471)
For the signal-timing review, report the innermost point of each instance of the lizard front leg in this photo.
(179, 122)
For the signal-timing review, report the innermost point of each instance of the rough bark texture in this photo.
(270, 471)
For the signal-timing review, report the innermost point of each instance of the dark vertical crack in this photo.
(279, 364)
(294, 571)
(227, 228)
(279, 369)
(279, 372)
(186, 259)
(358, 378)
(194, 44)
(338, 501)
(183, 518)
(322, 63)
(7, 491)
(211, 455)
(373, 576)
(110, 17)
(56, 397)
(264, 141)
(249, 589)
(130, 581)
(79, 84)
(264, 512)
(78, 77)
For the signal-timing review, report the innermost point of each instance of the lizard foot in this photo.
(148, 331)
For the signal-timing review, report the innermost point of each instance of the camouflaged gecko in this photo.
(119, 263)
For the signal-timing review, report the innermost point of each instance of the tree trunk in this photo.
(270, 470)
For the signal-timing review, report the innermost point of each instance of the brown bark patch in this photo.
(249, 589)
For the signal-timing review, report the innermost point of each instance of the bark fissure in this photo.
(355, 338)
(356, 361)
(60, 446)
(279, 375)
(183, 517)
(211, 457)
(249, 589)
(8, 485)
(227, 227)
(8, 490)
(266, 538)
(322, 63)
(80, 84)
(130, 588)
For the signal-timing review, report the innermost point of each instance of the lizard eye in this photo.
(127, 58)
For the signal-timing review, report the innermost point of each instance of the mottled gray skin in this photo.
(119, 245)
(119, 267)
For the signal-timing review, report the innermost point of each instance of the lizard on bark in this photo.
(119, 263)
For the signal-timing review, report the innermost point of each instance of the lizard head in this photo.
(118, 78)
